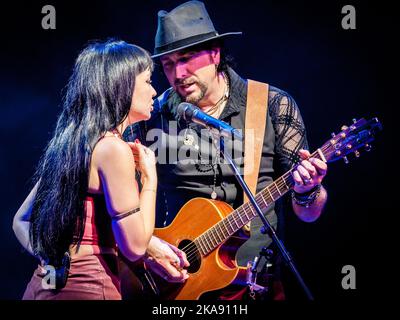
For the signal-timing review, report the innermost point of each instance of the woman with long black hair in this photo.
(86, 202)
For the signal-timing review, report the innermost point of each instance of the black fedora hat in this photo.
(186, 25)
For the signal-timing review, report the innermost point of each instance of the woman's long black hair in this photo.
(97, 99)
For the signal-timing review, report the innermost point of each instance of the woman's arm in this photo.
(115, 163)
(21, 220)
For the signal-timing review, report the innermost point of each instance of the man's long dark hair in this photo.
(97, 99)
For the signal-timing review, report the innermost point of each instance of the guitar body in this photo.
(214, 271)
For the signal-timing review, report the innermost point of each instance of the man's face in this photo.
(191, 73)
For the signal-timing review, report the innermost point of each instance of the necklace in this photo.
(217, 154)
(189, 139)
(215, 168)
(225, 96)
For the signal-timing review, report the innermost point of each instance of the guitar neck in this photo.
(221, 231)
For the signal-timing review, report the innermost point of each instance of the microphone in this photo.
(191, 113)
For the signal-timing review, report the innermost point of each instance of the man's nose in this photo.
(180, 71)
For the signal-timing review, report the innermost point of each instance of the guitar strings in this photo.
(192, 250)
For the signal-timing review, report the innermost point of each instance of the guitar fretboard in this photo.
(225, 228)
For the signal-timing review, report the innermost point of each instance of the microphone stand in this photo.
(267, 228)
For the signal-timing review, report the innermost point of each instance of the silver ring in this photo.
(307, 181)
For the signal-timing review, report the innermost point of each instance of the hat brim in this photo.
(195, 43)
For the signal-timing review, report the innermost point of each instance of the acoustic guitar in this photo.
(206, 230)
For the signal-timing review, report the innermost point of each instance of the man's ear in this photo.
(216, 55)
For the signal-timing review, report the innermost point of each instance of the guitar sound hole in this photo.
(192, 253)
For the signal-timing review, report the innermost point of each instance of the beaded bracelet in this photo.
(307, 198)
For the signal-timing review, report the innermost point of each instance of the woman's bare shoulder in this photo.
(111, 148)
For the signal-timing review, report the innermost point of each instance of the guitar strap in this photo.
(255, 122)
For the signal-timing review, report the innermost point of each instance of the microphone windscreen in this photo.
(185, 110)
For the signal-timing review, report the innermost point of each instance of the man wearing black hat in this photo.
(192, 56)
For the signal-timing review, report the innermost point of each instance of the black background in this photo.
(334, 75)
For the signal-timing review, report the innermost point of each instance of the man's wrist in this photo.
(307, 193)
(306, 199)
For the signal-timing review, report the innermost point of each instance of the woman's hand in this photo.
(167, 260)
(145, 160)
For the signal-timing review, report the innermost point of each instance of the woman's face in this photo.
(142, 98)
